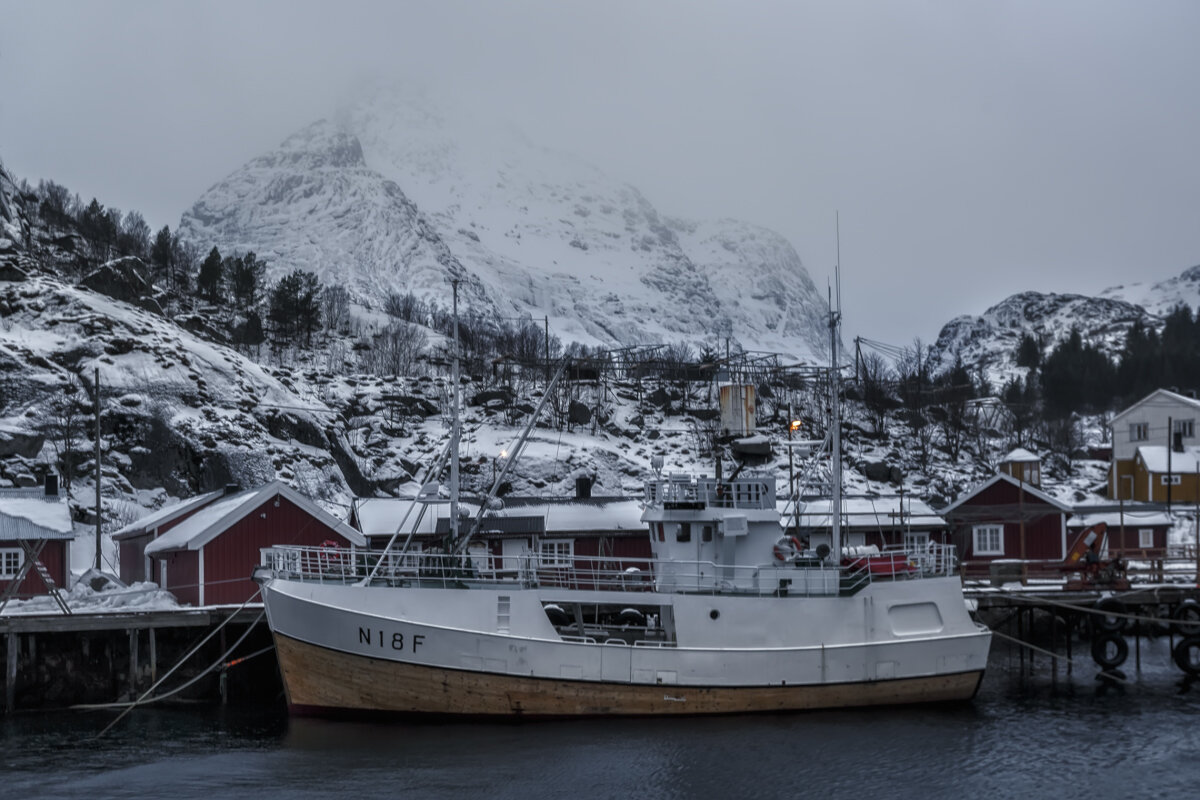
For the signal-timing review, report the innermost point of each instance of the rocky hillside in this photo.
(990, 340)
(395, 195)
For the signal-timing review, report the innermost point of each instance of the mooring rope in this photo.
(1104, 613)
(216, 663)
(129, 707)
(1108, 674)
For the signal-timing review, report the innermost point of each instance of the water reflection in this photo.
(1024, 736)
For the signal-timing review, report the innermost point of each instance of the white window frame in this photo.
(1145, 538)
(1139, 431)
(1171, 480)
(979, 538)
(556, 553)
(1186, 427)
(7, 556)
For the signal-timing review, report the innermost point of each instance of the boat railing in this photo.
(802, 577)
(748, 493)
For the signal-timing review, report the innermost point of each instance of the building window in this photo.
(1186, 428)
(1139, 431)
(1145, 538)
(1171, 480)
(988, 540)
(559, 553)
(10, 562)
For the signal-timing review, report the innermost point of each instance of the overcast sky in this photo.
(973, 149)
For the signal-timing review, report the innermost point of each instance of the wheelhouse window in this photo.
(1139, 431)
(683, 532)
(988, 540)
(557, 553)
(10, 562)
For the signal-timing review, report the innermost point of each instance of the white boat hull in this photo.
(493, 652)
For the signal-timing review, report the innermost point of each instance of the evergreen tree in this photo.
(1029, 352)
(245, 276)
(294, 307)
(211, 277)
(161, 253)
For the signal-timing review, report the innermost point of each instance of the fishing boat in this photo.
(727, 616)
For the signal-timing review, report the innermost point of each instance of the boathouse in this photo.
(205, 554)
(35, 540)
(1005, 518)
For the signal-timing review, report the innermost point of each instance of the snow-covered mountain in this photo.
(1159, 298)
(396, 195)
(990, 340)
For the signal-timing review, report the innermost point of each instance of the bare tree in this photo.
(65, 426)
(877, 380)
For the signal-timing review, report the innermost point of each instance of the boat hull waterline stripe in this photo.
(373, 685)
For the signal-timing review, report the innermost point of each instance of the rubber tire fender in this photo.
(1182, 655)
(1113, 606)
(1100, 652)
(1186, 617)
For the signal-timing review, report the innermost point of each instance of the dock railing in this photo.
(802, 577)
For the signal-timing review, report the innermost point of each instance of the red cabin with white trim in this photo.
(205, 554)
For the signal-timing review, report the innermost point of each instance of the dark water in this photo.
(1020, 737)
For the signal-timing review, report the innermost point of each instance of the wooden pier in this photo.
(55, 661)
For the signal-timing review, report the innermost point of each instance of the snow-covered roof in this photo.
(31, 514)
(381, 516)
(870, 513)
(211, 521)
(1155, 457)
(1001, 476)
(164, 515)
(1134, 517)
(1019, 455)
(1174, 399)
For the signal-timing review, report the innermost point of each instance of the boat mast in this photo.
(455, 428)
(835, 466)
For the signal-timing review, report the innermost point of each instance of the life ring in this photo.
(787, 548)
(1106, 658)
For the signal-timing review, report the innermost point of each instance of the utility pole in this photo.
(1170, 447)
(98, 526)
(546, 319)
(454, 431)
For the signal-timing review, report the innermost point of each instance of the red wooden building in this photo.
(1008, 518)
(204, 553)
(556, 530)
(35, 530)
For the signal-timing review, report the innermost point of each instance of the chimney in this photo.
(583, 488)
(232, 488)
(51, 485)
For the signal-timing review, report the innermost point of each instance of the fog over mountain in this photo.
(393, 194)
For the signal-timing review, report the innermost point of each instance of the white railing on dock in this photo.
(799, 578)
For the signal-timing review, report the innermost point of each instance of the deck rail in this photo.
(802, 577)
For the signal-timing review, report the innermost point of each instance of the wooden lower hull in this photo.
(322, 681)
